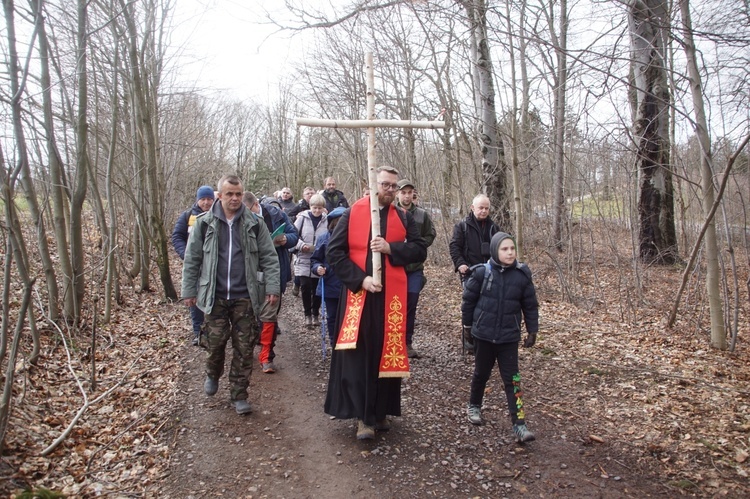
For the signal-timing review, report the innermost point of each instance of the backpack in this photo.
(487, 281)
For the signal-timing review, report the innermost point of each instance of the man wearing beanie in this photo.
(204, 199)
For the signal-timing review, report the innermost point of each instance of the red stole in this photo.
(394, 362)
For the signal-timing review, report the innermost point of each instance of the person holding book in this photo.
(284, 236)
(310, 225)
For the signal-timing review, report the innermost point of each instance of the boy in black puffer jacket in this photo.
(496, 297)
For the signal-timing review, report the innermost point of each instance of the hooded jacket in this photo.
(226, 259)
(494, 304)
(183, 227)
(307, 235)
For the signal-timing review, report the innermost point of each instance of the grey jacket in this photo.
(209, 243)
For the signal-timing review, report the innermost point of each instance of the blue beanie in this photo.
(204, 191)
(336, 212)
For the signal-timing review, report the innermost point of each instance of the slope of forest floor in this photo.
(621, 405)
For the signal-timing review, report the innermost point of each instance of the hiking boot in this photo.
(364, 432)
(242, 406)
(316, 320)
(522, 433)
(411, 353)
(211, 386)
(295, 290)
(382, 425)
(475, 414)
(308, 321)
(267, 367)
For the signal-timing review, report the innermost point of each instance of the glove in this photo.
(530, 340)
(467, 337)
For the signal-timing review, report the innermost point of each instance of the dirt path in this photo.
(289, 448)
(285, 448)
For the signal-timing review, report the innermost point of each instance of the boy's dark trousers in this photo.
(485, 356)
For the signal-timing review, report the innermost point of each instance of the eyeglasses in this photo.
(388, 186)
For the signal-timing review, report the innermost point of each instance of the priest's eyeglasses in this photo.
(388, 186)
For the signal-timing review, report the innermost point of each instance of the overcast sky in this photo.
(228, 45)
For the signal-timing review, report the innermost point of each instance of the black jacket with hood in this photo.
(493, 305)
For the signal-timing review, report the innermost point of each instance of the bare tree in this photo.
(713, 276)
(491, 144)
(650, 100)
(145, 73)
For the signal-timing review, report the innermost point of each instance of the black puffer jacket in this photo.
(494, 307)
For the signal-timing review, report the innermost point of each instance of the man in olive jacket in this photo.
(414, 271)
(231, 262)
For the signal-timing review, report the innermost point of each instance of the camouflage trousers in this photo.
(235, 319)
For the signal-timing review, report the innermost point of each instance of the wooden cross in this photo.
(371, 123)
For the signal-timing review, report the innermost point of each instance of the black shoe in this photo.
(242, 407)
(211, 386)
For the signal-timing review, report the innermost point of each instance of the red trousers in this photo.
(267, 342)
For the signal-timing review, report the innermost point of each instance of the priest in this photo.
(370, 356)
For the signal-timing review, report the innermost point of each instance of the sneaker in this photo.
(242, 406)
(195, 340)
(382, 425)
(475, 414)
(267, 367)
(211, 386)
(365, 432)
(295, 290)
(308, 321)
(522, 433)
(316, 320)
(411, 353)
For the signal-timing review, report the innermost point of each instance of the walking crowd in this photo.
(240, 251)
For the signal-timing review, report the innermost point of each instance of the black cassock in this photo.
(354, 389)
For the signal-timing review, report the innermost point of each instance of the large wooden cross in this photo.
(371, 123)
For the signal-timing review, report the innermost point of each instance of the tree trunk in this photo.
(144, 85)
(490, 142)
(77, 254)
(56, 187)
(561, 80)
(22, 166)
(718, 329)
(514, 139)
(649, 24)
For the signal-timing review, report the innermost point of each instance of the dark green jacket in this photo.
(199, 271)
(426, 230)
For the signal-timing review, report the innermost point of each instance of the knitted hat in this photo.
(204, 191)
(495, 244)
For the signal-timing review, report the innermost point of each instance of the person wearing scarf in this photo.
(370, 356)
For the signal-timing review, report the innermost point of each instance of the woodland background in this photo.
(607, 134)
